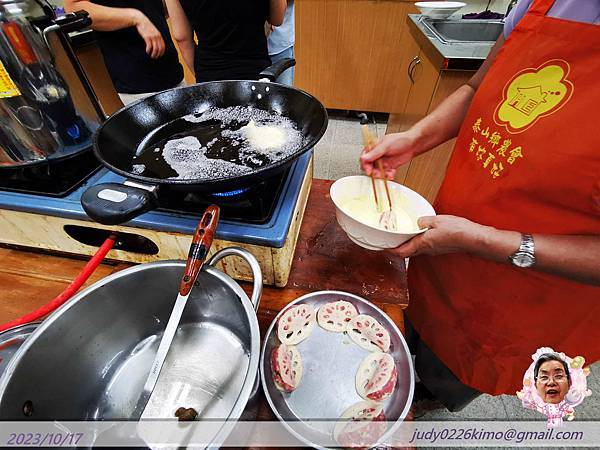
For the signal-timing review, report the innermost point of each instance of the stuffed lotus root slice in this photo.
(367, 332)
(335, 316)
(286, 367)
(376, 376)
(362, 424)
(296, 324)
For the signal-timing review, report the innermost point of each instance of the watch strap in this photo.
(527, 244)
(526, 250)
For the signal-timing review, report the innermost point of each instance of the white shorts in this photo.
(130, 98)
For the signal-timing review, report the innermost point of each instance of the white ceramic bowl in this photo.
(367, 236)
(439, 10)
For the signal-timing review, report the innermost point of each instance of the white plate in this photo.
(439, 10)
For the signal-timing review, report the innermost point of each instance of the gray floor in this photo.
(336, 156)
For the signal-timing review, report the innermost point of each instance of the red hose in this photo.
(69, 291)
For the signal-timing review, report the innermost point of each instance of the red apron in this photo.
(527, 159)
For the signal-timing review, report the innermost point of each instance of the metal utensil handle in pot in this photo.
(201, 242)
(254, 266)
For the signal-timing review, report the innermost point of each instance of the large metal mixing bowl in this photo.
(90, 359)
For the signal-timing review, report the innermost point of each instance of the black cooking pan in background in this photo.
(116, 141)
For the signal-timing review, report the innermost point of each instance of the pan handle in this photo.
(254, 266)
(114, 203)
(273, 71)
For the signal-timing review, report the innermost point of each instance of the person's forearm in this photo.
(573, 257)
(277, 12)
(105, 18)
(187, 49)
(182, 32)
(444, 122)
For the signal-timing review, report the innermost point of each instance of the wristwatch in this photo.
(525, 256)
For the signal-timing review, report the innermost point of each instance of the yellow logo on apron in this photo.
(532, 94)
(8, 88)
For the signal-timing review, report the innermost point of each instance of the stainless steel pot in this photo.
(90, 359)
(44, 117)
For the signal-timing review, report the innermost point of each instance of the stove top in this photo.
(261, 216)
(53, 180)
(254, 204)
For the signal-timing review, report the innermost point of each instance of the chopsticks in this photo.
(369, 140)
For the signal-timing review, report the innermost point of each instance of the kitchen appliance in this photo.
(40, 203)
(134, 141)
(39, 122)
(39, 212)
(103, 341)
(330, 362)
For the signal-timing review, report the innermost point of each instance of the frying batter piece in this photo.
(264, 138)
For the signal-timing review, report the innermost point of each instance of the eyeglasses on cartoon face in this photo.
(557, 378)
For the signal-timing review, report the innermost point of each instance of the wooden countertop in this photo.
(325, 259)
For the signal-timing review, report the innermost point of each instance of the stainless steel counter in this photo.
(457, 54)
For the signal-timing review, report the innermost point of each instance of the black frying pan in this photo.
(117, 140)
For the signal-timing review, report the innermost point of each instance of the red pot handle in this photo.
(201, 243)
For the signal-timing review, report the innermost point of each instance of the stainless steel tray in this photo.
(330, 362)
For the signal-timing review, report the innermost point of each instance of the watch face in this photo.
(522, 259)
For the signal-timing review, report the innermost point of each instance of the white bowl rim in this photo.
(440, 5)
(398, 233)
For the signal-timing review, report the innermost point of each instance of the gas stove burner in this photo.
(248, 204)
(230, 194)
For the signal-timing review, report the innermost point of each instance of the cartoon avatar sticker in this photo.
(532, 94)
(554, 385)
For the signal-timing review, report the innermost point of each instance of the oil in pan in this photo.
(217, 143)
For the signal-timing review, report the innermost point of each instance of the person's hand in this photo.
(155, 44)
(268, 29)
(393, 150)
(446, 234)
